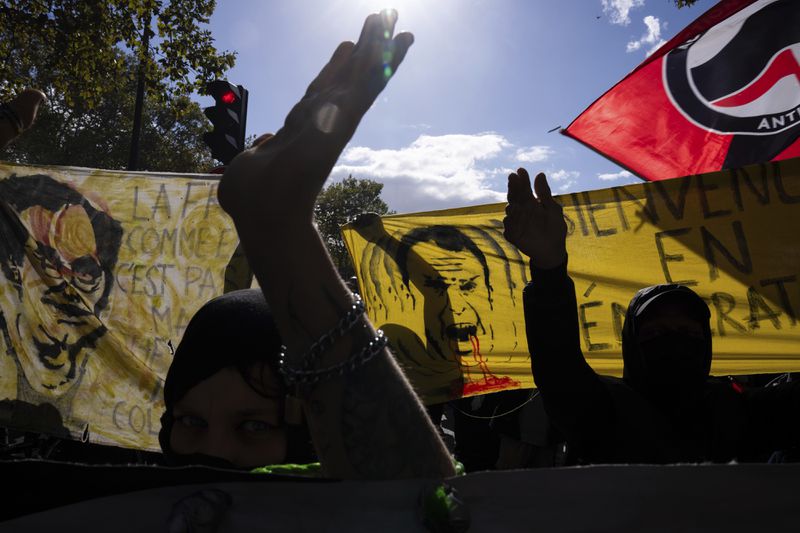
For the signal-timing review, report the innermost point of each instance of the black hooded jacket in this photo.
(611, 420)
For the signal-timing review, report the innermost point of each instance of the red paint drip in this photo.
(488, 382)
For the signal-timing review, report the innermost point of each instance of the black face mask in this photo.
(675, 358)
(200, 459)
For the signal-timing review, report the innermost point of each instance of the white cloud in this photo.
(656, 46)
(565, 179)
(618, 10)
(611, 176)
(561, 175)
(534, 154)
(652, 38)
(433, 171)
(504, 171)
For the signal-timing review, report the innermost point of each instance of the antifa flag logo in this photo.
(743, 79)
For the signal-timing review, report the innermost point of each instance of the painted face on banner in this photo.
(453, 275)
(458, 289)
(59, 284)
(453, 268)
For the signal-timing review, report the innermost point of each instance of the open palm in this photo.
(535, 224)
(284, 173)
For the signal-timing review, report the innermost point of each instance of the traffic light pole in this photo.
(133, 159)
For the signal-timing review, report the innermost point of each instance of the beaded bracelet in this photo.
(310, 377)
(7, 111)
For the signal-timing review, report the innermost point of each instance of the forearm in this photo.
(368, 422)
(551, 320)
(575, 397)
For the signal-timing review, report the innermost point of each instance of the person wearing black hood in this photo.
(666, 408)
(225, 402)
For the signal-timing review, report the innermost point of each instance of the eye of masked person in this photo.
(249, 426)
(225, 417)
(692, 331)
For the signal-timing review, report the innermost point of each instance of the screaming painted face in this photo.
(458, 289)
(452, 274)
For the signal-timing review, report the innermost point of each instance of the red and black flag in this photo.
(723, 93)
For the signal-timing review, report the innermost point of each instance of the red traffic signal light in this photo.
(229, 116)
(228, 97)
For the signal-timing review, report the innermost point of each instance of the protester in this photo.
(226, 404)
(18, 115)
(363, 416)
(665, 409)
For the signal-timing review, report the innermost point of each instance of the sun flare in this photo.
(408, 10)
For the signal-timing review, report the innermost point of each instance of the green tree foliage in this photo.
(99, 136)
(341, 203)
(684, 3)
(87, 55)
(72, 46)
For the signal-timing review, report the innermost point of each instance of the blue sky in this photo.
(476, 95)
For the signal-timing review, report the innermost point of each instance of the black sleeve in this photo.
(774, 417)
(575, 398)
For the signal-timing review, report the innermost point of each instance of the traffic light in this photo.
(229, 117)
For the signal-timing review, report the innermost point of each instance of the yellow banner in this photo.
(101, 272)
(447, 288)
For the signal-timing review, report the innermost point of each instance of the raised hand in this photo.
(285, 173)
(24, 107)
(366, 423)
(535, 225)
